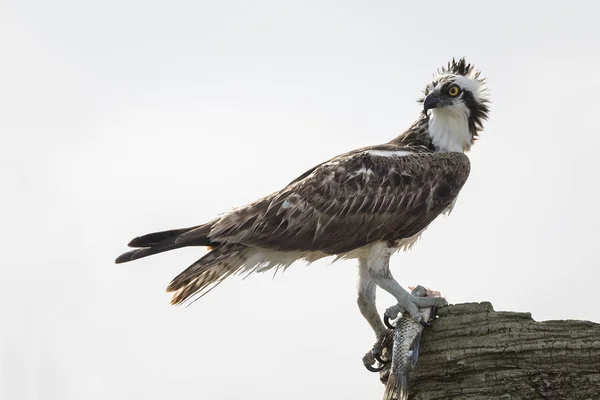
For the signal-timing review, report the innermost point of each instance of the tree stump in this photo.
(474, 352)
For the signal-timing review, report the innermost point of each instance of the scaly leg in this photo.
(378, 263)
(368, 308)
(366, 298)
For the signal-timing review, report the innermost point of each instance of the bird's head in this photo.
(457, 92)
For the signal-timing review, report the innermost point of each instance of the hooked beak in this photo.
(431, 101)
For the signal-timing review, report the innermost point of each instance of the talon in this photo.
(386, 321)
(377, 354)
(374, 369)
(392, 313)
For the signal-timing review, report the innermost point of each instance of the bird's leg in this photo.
(366, 299)
(368, 308)
(379, 271)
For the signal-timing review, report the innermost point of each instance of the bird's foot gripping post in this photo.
(414, 304)
(399, 346)
(420, 297)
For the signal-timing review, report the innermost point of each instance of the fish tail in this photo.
(397, 386)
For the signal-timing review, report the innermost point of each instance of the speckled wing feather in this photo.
(379, 193)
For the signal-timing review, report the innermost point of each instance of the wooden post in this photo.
(474, 352)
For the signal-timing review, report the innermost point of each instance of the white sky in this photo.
(122, 118)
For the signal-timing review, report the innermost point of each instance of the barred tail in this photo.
(208, 272)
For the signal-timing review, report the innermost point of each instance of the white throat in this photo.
(449, 128)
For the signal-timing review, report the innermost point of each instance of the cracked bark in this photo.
(474, 352)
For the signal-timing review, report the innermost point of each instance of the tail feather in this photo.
(158, 242)
(396, 387)
(155, 238)
(208, 272)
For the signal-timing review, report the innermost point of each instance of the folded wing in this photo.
(352, 200)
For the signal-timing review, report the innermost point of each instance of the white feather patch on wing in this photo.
(386, 153)
(365, 171)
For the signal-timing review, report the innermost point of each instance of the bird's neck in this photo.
(441, 131)
(449, 130)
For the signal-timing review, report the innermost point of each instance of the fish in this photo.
(405, 350)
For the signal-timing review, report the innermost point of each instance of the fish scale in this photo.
(405, 350)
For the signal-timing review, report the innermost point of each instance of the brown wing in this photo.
(348, 202)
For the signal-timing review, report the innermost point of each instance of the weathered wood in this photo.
(474, 352)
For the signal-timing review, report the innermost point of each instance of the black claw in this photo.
(386, 321)
(374, 369)
(377, 354)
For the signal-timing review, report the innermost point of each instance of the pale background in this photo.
(118, 118)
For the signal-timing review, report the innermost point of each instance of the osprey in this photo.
(365, 204)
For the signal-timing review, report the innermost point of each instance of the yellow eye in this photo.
(454, 91)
